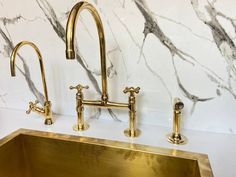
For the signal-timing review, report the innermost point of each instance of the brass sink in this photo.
(28, 153)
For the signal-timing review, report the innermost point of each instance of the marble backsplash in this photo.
(169, 48)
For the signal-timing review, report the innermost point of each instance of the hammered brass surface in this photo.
(28, 153)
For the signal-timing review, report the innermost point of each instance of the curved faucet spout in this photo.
(13, 63)
(70, 37)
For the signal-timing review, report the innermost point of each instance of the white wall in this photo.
(189, 53)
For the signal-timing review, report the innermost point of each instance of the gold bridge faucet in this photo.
(46, 110)
(132, 131)
(175, 137)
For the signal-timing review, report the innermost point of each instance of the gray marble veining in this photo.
(8, 47)
(219, 83)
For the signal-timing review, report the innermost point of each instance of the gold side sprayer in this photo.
(46, 110)
(175, 137)
(104, 102)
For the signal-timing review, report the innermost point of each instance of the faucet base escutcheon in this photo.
(132, 133)
(177, 139)
(79, 127)
(48, 121)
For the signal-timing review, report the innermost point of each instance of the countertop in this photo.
(219, 147)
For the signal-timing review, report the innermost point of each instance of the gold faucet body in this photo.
(104, 102)
(46, 109)
(176, 137)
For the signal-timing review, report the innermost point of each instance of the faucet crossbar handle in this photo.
(32, 106)
(79, 87)
(81, 125)
(131, 90)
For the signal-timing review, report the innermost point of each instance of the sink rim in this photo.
(202, 159)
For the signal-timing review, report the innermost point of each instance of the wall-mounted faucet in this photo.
(132, 131)
(46, 110)
(175, 137)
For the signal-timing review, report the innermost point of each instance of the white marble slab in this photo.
(189, 52)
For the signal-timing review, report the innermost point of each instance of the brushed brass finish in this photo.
(28, 153)
(70, 54)
(175, 137)
(46, 110)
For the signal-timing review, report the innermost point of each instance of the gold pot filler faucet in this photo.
(132, 131)
(46, 110)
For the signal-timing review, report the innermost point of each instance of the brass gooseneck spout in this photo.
(104, 102)
(46, 110)
(70, 38)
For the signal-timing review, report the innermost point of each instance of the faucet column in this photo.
(176, 122)
(132, 131)
(48, 112)
(175, 137)
(81, 125)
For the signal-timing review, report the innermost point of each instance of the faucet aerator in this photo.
(70, 54)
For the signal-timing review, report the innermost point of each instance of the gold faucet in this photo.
(46, 110)
(175, 137)
(132, 131)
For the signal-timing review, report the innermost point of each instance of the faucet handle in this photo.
(79, 87)
(32, 105)
(131, 90)
(178, 104)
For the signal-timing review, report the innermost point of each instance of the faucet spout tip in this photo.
(178, 104)
(13, 74)
(70, 54)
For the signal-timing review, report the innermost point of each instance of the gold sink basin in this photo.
(28, 153)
